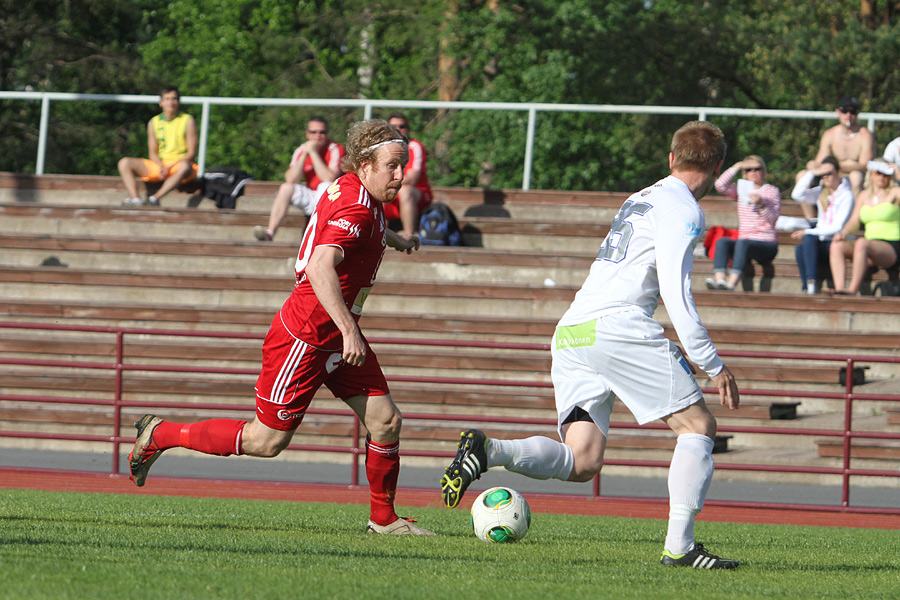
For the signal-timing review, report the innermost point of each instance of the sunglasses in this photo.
(317, 131)
(852, 111)
(401, 126)
(752, 169)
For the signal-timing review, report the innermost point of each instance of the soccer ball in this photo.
(500, 515)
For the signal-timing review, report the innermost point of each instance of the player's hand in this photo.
(354, 352)
(406, 242)
(798, 234)
(728, 391)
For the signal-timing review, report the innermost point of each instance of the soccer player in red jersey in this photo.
(314, 339)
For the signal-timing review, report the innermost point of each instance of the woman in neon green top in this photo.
(878, 209)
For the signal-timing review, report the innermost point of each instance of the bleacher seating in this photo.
(71, 255)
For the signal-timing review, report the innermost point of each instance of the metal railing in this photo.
(118, 368)
(367, 106)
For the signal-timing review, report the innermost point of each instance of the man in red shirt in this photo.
(318, 162)
(314, 339)
(415, 194)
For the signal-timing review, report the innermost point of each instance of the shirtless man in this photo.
(850, 143)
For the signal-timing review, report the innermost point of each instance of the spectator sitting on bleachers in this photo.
(834, 202)
(877, 209)
(415, 194)
(318, 161)
(759, 204)
(849, 142)
(172, 146)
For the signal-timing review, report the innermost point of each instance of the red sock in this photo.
(215, 436)
(382, 469)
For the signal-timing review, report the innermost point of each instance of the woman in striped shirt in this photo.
(759, 205)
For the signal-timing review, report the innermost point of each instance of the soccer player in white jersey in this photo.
(608, 345)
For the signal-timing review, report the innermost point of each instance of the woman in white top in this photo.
(834, 203)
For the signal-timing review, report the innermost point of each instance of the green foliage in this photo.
(748, 53)
(94, 546)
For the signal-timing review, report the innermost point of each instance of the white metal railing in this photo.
(532, 108)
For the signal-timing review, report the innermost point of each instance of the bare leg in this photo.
(178, 172)
(261, 440)
(130, 169)
(880, 253)
(409, 209)
(840, 251)
(280, 206)
(588, 446)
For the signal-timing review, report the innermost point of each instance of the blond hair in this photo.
(698, 146)
(869, 182)
(364, 139)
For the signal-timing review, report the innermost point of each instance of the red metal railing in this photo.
(118, 368)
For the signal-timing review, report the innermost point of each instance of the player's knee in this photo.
(385, 428)
(586, 467)
(265, 448)
(286, 189)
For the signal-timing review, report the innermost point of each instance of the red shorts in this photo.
(392, 208)
(293, 371)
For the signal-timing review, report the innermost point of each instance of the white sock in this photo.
(689, 476)
(536, 457)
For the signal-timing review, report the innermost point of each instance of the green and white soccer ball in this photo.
(500, 515)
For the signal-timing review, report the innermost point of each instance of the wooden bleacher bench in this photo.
(859, 448)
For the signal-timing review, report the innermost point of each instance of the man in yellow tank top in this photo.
(172, 146)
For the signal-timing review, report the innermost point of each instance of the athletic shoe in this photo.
(132, 202)
(152, 201)
(697, 558)
(468, 465)
(724, 285)
(263, 234)
(711, 284)
(145, 451)
(399, 527)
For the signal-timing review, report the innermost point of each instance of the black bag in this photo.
(225, 185)
(887, 288)
(438, 226)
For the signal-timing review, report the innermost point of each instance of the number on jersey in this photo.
(616, 243)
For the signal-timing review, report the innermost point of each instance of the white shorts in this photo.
(622, 354)
(306, 198)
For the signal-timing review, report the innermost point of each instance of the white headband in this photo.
(380, 144)
(881, 167)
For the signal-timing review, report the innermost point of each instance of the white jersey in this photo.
(647, 253)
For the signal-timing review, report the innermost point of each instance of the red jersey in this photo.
(331, 154)
(349, 218)
(417, 158)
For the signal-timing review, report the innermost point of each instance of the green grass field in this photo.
(93, 546)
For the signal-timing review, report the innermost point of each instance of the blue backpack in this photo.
(438, 226)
